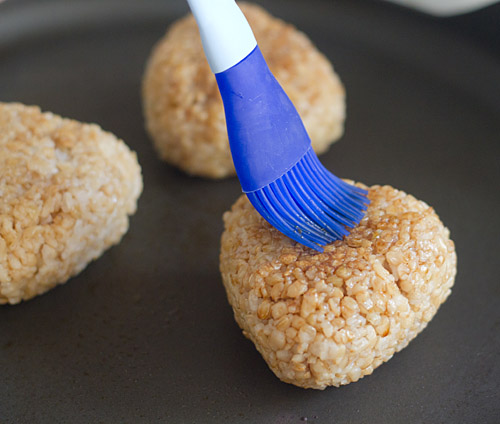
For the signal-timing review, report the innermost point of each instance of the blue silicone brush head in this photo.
(277, 168)
(309, 204)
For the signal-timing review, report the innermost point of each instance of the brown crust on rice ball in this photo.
(328, 319)
(182, 105)
(66, 190)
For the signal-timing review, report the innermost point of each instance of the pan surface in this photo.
(145, 334)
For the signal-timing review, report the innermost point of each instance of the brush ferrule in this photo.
(266, 135)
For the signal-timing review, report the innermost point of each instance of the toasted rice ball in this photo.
(328, 319)
(66, 190)
(183, 108)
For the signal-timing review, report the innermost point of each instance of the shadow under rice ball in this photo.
(66, 192)
(328, 319)
(183, 108)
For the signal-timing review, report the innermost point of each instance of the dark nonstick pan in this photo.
(145, 334)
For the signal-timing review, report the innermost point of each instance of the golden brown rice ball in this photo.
(183, 108)
(328, 319)
(66, 191)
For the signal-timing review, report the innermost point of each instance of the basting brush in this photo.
(277, 168)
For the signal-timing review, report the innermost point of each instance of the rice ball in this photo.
(66, 192)
(183, 108)
(328, 319)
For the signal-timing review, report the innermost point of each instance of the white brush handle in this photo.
(225, 33)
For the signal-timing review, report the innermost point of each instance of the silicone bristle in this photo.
(311, 205)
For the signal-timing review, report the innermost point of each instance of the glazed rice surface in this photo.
(66, 191)
(328, 319)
